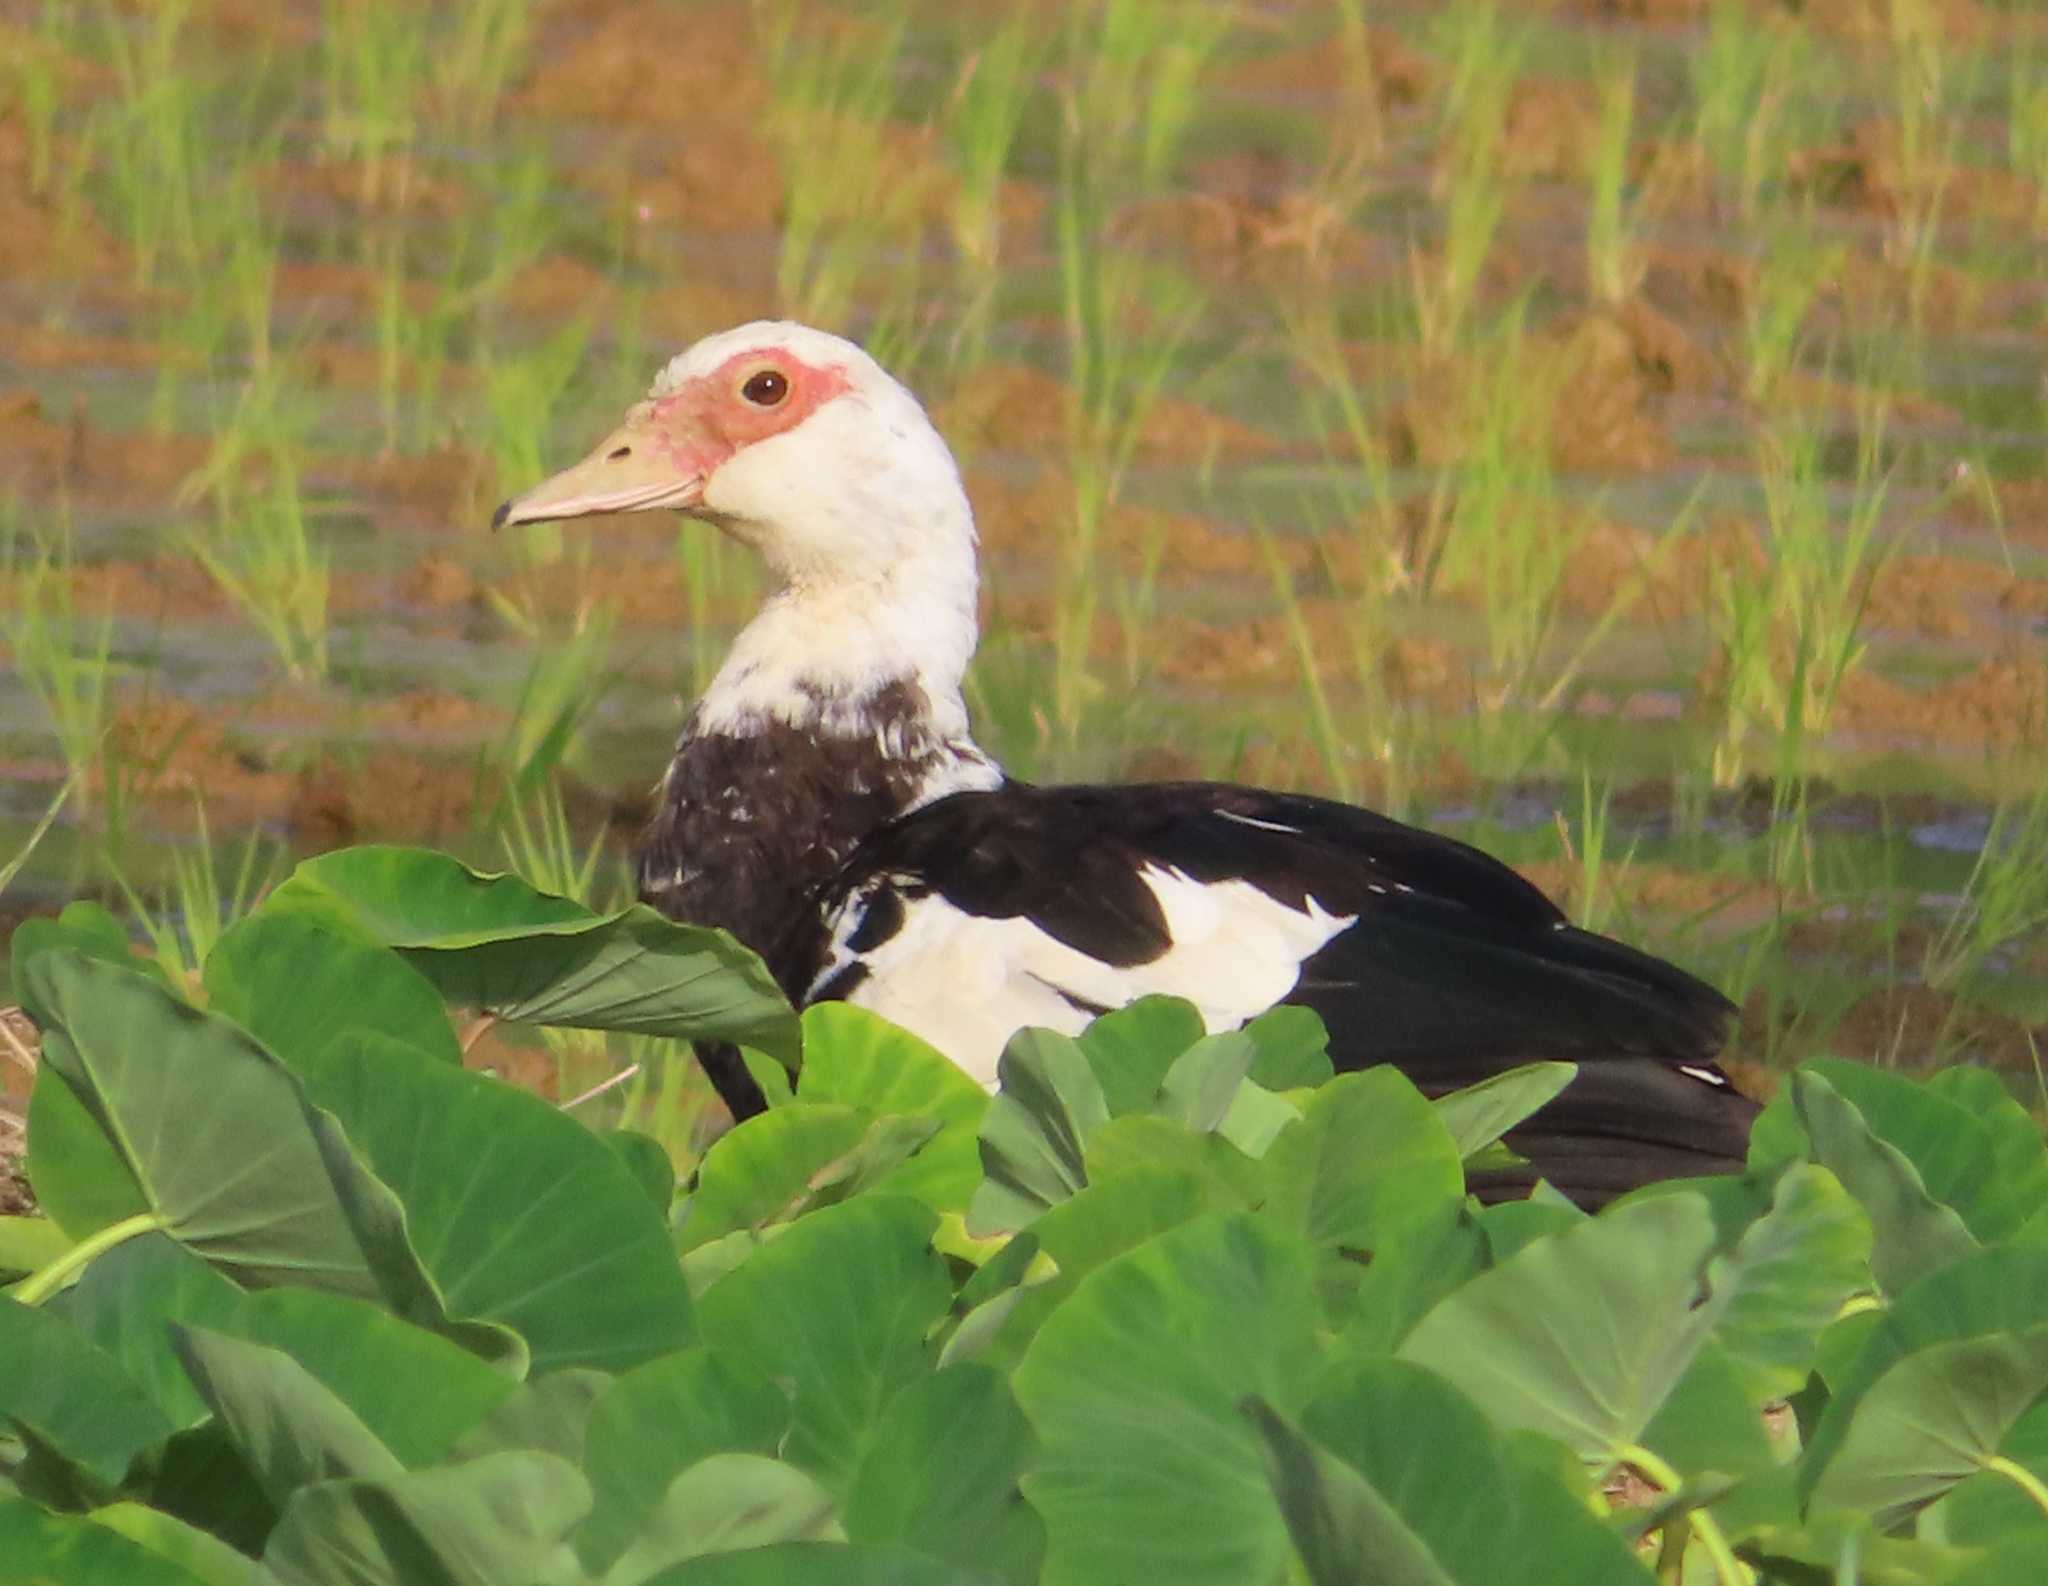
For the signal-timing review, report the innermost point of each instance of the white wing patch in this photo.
(966, 983)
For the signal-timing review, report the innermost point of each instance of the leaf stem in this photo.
(2020, 1477)
(1728, 1569)
(42, 1283)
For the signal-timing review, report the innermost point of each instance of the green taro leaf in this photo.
(1843, 1548)
(1370, 1156)
(818, 1564)
(1990, 1506)
(1961, 1400)
(2017, 1189)
(42, 1549)
(375, 1364)
(1129, 1049)
(72, 1395)
(80, 1179)
(84, 927)
(791, 1159)
(520, 1215)
(493, 942)
(760, 1171)
(1480, 1114)
(1142, 1139)
(1099, 1224)
(297, 986)
(725, 1503)
(1149, 1471)
(1949, 1145)
(1412, 1269)
(1033, 1134)
(941, 1472)
(859, 1059)
(494, 1521)
(1710, 1426)
(647, 1159)
(1788, 1278)
(201, 1478)
(657, 1421)
(1582, 1334)
(984, 1302)
(1292, 1049)
(126, 1301)
(211, 1128)
(1510, 1226)
(1198, 1089)
(1915, 1232)
(292, 1429)
(1393, 1477)
(1930, 1423)
(551, 1414)
(842, 1307)
(27, 1243)
(201, 1554)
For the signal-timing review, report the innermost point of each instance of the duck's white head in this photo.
(791, 439)
(799, 444)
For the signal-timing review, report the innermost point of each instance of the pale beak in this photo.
(636, 468)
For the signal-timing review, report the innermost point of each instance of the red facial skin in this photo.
(708, 420)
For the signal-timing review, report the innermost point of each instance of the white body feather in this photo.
(967, 983)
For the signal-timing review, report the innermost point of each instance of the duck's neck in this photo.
(838, 709)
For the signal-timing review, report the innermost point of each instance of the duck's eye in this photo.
(766, 389)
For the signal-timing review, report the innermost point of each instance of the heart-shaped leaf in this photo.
(210, 1127)
(493, 942)
(1149, 1471)
(842, 1306)
(657, 1421)
(1581, 1334)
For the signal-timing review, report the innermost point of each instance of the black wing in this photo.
(1449, 964)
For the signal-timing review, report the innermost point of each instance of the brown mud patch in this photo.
(177, 758)
(45, 346)
(400, 184)
(173, 587)
(1268, 651)
(436, 713)
(1903, 1025)
(439, 583)
(1549, 132)
(19, 1048)
(2016, 508)
(1029, 524)
(1597, 381)
(349, 293)
(449, 489)
(1018, 408)
(1951, 597)
(432, 713)
(37, 240)
(1872, 21)
(1733, 903)
(42, 455)
(1246, 219)
(383, 795)
(631, 66)
(1379, 62)
(1999, 704)
(1665, 579)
